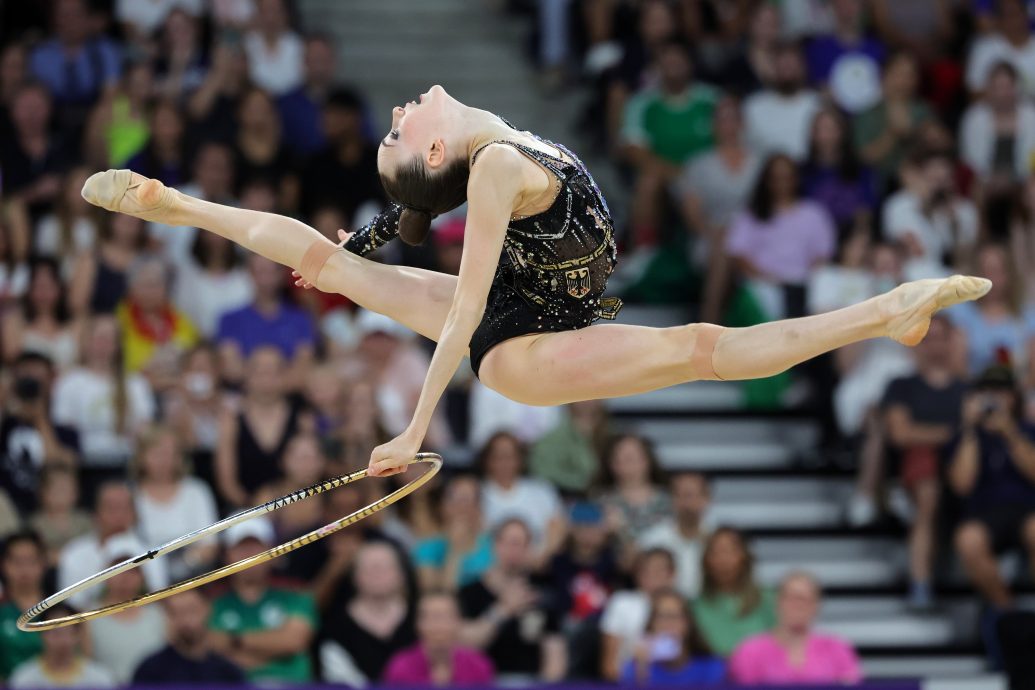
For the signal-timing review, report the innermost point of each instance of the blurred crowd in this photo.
(782, 159)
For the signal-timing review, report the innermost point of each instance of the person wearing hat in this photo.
(992, 469)
(585, 571)
(262, 628)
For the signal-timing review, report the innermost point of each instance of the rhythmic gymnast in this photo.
(538, 251)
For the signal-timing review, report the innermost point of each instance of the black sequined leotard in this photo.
(554, 266)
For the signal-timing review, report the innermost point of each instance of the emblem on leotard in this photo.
(578, 282)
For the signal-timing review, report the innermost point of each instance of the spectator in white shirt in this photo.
(275, 52)
(683, 534)
(171, 503)
(778, 118)
(491, 412)
(937, 226)
(507, 493)
(125, 638)
(1013, 43)
(103, 403)
(113, 534)
(997, 135)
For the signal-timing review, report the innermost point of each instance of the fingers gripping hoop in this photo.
(28, 623)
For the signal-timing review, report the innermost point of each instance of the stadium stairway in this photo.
(395, 49)
(766, 481)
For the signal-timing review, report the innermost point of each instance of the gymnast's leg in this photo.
(611, 360)
(416, 298)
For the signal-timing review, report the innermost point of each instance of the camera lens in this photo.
(27, 388)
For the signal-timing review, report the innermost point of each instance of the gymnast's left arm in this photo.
(492, 192)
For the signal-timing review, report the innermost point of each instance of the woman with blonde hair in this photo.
(170, 502)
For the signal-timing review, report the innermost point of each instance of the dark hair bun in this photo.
(414, 226)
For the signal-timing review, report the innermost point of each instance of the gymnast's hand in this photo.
(301, 282)
(395, 456)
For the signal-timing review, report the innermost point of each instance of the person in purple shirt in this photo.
(833, 175)
(269, 320)
(781, 237)
(848, 37)
(438, 659)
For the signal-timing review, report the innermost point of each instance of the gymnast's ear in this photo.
(414, 226)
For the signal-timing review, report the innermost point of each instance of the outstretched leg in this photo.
(611, 360)
(416, 298)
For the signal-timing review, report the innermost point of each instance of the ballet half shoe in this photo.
(910, 327)
(125, 191)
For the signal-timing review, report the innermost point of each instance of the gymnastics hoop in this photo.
(27, 623)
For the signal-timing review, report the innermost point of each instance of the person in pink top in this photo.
(438, 659)
(793, 652)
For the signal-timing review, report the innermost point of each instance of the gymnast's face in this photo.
(416, 130)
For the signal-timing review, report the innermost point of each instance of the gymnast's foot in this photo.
(910, 306)
(131, 193)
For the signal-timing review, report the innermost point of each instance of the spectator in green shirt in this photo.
(263, 629)
(21, 568)
(732, 606)
(662, 128)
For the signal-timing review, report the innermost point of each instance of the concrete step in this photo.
(967, 668)
(778, 514)
(788, 487)
(799, 433)
(710, 457)
(898, 631)
(698, 396)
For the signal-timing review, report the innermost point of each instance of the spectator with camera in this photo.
(673, 651)
(627, 612)
(937, 226)
(30, 438)
(992, 469)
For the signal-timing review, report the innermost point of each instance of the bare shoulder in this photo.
(501, 165)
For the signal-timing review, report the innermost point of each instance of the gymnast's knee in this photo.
(702, 351)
